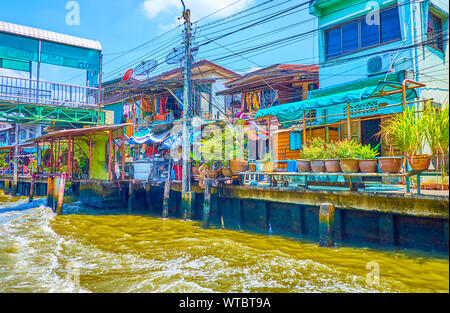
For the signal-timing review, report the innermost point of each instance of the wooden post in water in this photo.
(165, 207)
(62, 185)
(326, 225)
(186, 205)
(50, 186)
(207, 203)
(130, 195)
(33, 177)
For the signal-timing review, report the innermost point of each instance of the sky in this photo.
(122, 25)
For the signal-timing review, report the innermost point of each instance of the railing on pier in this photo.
(22, 90)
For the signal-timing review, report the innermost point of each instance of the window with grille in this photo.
(434, 32)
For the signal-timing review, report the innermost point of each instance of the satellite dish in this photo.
(145, 67)
(177, 55)
(128, 74)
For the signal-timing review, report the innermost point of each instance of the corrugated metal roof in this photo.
(46, 35)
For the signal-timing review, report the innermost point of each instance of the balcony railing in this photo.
(22, 90)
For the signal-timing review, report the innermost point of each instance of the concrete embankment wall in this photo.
(378, 220)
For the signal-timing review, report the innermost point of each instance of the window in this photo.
(358, 34)
(350, 37)
(434, 31)
(333, 38)
(390, 25)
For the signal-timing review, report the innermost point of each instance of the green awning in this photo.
(294, 111)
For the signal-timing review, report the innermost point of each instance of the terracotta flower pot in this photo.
(227, 172)
(368, 166)
(419, 162)
(212, 173)
(195, 170)
(333, 166)
(318, 166)
(349, 165)
(238, 165)
(252, 167)
(304, 165)
(440, 162)
(390, 164)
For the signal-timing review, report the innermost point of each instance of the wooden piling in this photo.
(165, 208)
(326, 225)
(186, 205)
(62, 185)
(33, 177)
(207, 203)
(50, 186)
(130, 195)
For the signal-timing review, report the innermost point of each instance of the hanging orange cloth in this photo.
(146, 105)
(255, 101)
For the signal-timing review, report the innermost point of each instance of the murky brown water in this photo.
(121, 253)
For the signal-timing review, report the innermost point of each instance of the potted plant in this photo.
(437, 134)
(407, 131)
(211, 171)
(314, 151)
(332, 163)
(367, 155)
(195, 164)
(347, 153)
(303, 164)
(226, 170)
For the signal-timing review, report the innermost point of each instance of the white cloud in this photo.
(199, 8)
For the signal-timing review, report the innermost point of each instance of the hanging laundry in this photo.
(162, 105)
(255, 101)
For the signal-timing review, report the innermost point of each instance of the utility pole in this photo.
(186, 169)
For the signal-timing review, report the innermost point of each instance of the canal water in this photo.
(88, 250)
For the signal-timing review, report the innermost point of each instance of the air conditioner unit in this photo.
(379, 64)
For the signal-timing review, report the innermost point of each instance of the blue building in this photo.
(367, 48)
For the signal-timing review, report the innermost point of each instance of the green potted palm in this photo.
(407, 131)
(367, 156)
(347, 153)
(332, 163)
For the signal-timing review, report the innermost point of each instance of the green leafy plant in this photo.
(314, 149)
(436, 127)
(346, 149)
(366, 152)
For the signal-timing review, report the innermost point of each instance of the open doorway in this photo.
(369, 129)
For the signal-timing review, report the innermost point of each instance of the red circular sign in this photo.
(128, 74)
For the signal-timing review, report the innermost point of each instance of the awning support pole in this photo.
(90, 157)
(349, 126)
(109, 157)
(69, 159)
(304, 128)
(123, 154)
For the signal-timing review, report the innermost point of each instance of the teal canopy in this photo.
(294, 111)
